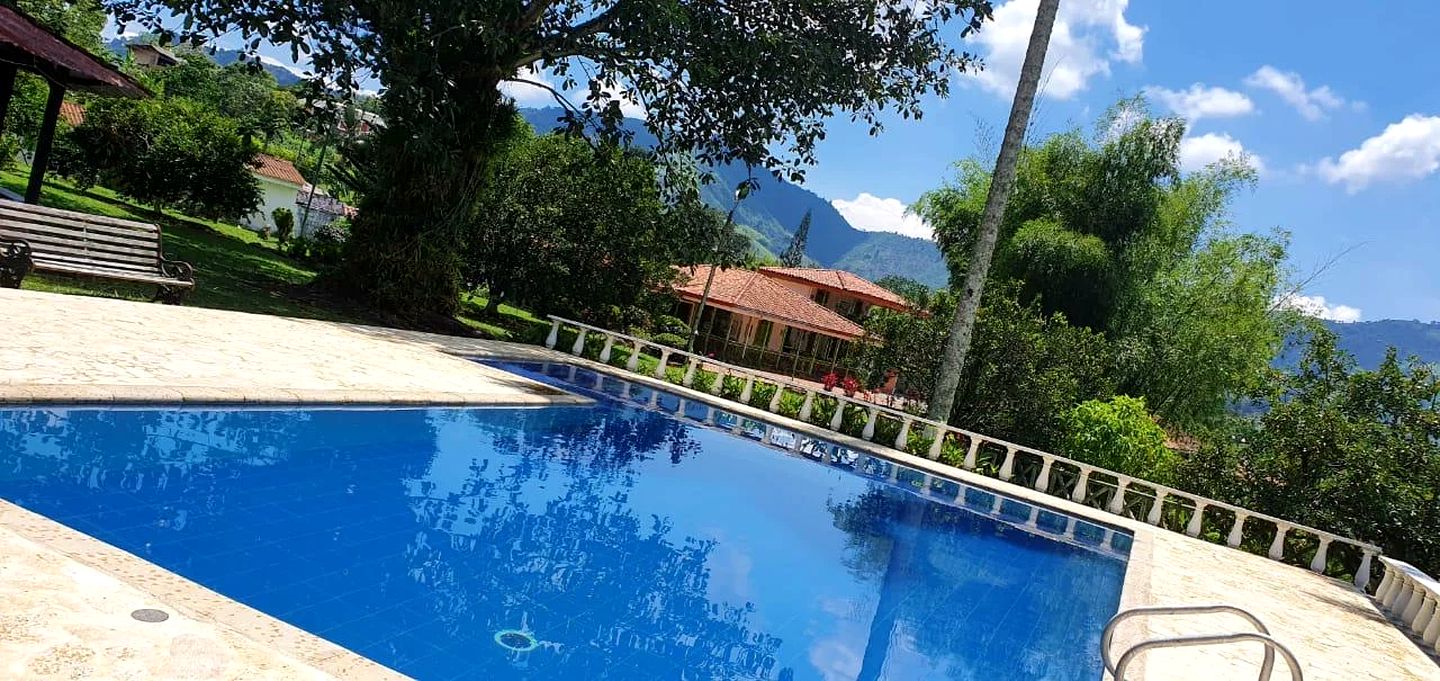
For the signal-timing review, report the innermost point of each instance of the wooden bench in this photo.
(35, 238)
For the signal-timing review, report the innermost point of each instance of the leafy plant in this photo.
(1121, 435)
(284, 223)
(830, 380)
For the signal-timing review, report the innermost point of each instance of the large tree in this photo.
(746, 80)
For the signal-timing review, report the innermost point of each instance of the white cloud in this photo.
(1408, 150)
(1317, 306)
(1290, 87)
(1201, 151)
(870, 213)
(527, 95)
(1199, 101)
(1089, 35)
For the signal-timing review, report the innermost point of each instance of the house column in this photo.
(42, 145)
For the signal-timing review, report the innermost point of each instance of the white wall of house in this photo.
(273, 194)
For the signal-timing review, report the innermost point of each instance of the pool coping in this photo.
(192, 599)
(187, 395)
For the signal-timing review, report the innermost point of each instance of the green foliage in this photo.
(163, 153)
(284, 223)
(1108, 232)
(710, 87)
(240, 91)
(1347, 450)
(794, 255)
(80, 22)
(672, 340)
(917, 294)
(558, 217)
(1121, 435)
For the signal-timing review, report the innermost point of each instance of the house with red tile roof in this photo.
(798, 321)
(280, 186)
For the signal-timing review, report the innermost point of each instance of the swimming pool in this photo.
(639, 538)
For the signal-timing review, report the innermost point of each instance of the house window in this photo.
(762, 333)
(797, 340)
(821, 296)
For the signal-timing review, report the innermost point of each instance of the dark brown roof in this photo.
(276, 168)
(754, 294)
(840, 280)
(32, 47)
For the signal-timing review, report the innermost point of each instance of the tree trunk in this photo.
(963, 327)
(905, 552)
(422, 174)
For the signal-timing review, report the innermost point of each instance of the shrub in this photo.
(1121, 435)
(673, 340)
(670, 324)
(284, 223)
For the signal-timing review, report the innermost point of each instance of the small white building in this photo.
(280, 187)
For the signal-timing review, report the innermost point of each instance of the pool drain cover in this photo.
(150, 615)
(516, 641)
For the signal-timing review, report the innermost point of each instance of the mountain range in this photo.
(284, 75)
(771, 213)
(1368, 341)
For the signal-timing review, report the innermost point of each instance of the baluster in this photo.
(1157, 508)
(605, 351)
(748, 390)
(1317, 564)
(1277, 545)
(774, 406)
(1081, 484)
(579, 345)
(691, 365)
(719, 383)
(869, 432)
(1193, 527)
(808, 406)
(902, 441)
(1400, 594)
(1431, 633)
(1007, 468)
(664, 362)
(1387, 585)
(1414, 603)
(1042, 481)
(937, 445)
(1117, 502)
(1424, 614)
(554, 336)
(839, 416)
(1362, 576)
(1237, 529)
(972, 455)
(633, 364)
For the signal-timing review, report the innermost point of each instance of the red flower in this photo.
(830, 380)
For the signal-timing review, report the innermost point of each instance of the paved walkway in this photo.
(67, 596)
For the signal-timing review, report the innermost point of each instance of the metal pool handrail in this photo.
(1211, 639)
(1108, 637)
(1125, 486)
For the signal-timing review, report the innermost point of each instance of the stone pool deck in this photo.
(68, 596)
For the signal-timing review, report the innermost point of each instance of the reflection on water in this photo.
(629, 542)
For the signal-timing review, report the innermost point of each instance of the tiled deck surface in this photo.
(67, 597)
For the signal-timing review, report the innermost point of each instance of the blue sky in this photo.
(1338, 106)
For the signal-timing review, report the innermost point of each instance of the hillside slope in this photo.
(774, 211)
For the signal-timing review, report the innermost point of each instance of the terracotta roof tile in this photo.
(840, 280)
(72, 113)
(276, 168)
(753, 293)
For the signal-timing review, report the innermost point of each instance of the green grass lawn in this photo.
(234, 268)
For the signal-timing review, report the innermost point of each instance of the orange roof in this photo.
(72, 113)
(840, 280)
(276, 168)
(754, 294)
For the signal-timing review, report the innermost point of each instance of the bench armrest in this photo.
(177, 269)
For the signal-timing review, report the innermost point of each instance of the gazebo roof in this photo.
(30, 46)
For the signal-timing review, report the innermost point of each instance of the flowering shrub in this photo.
(850, 385)
(830, 380)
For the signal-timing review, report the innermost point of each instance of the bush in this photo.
(673, 340)
(284, 223)
(1121, 435)
(673, 325)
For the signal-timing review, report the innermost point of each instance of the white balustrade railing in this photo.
(1156, 498)
(1412, 599)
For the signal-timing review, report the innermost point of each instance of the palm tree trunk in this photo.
(963, 327)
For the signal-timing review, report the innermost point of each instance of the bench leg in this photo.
(15, 263)
(170, 295)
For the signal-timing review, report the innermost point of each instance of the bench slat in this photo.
(113, 274)
(135, 240)
(73, 216)
(76, 261)
(138, 231)
(41, 242)
(41, 249)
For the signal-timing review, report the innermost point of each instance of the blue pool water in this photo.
(622, 541)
